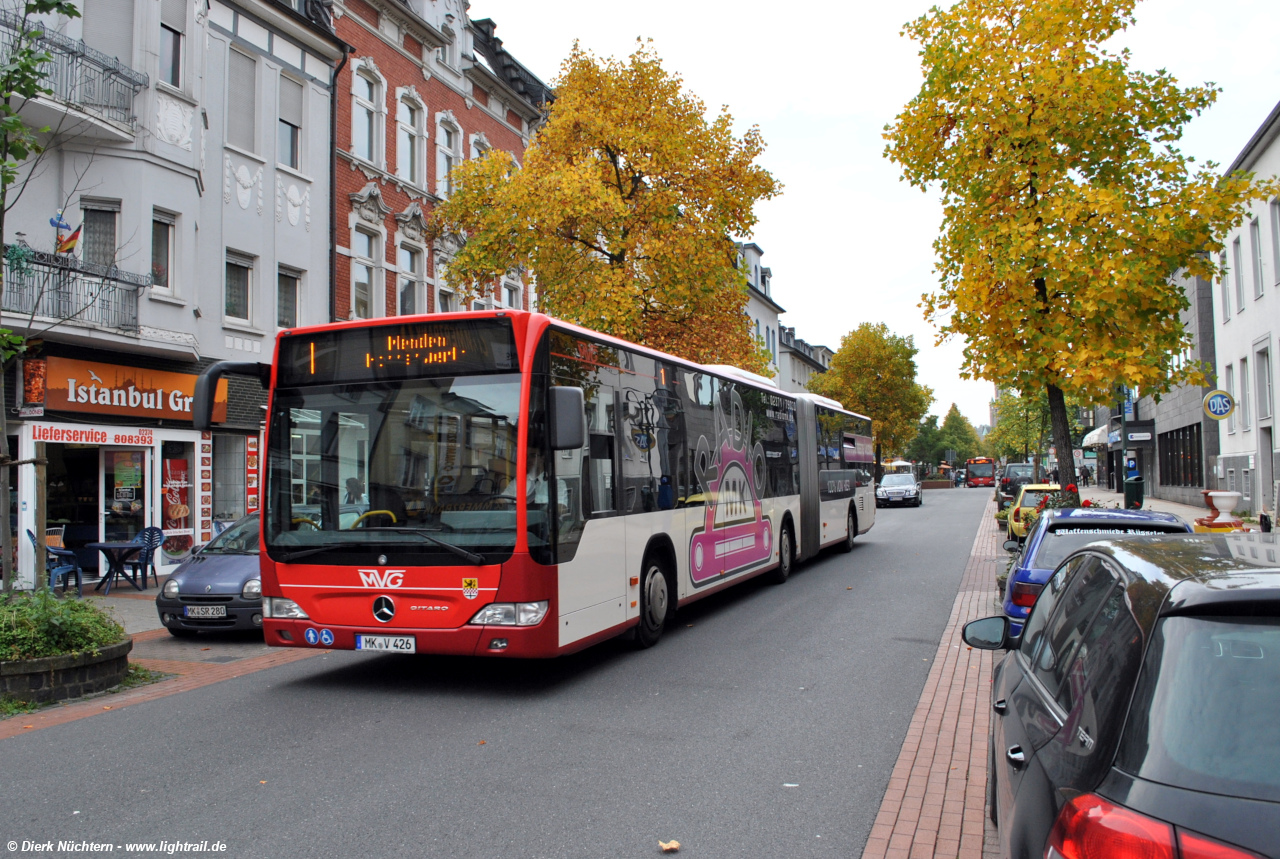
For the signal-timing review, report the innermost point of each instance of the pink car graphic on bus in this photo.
(735, 534)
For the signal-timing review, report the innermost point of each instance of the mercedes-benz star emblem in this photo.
(384, 609)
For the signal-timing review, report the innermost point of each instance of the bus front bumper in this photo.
(469, 640)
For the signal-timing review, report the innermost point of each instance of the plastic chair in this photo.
(150, 538)
(61, 564)
(53, 537)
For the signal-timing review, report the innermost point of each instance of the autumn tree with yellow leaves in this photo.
(874, 373)
(624, 211)
(1067, 206)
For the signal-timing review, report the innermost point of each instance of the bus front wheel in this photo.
(655, 604)
(852, 523)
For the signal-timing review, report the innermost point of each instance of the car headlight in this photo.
(880, 492)
(252, 589)
(512, 614)
(283, 609)
(171, 589)
(911, 492)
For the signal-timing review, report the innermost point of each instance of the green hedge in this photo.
(33, 625)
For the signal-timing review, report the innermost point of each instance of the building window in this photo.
(100, 235)
(162, 225)
(170, 56)
(445, 302)
(1255, 251)
(1181, 455)
(409, 137)
(290, 127)
(513, 295)
(1238, 274)
(228, 477)
(1262, 366)
(1226, 290)
(239, 282)
(445, 54)
(410, 273)
(364, 117)
(1275, 239)
(364, 262)
(1246, 483)
(1244, 394)
(1231, 389)
(287, 282)
(242, 101)
(447, 141)
(1231, 480)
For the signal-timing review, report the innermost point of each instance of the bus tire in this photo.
(655, 602)
(847, 545)
(786, 555)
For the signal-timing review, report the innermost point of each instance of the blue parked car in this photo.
(217, 588)
(1058, 533)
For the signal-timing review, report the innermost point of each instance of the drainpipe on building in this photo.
(333, 185)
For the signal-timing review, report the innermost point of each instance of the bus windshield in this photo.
(979, 469)
(414, 463)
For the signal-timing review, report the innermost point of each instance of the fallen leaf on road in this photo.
(481, 743)
(669, 846)
(849, 588)
(690, 625)
(262, 782)
(205, 648)
(106, 708)
(28, 726)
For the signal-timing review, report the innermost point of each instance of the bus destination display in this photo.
(399, 352)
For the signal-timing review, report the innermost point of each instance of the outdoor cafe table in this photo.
(116, 555)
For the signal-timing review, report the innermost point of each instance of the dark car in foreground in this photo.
(217, 588)
(1137, 713)
(1058, 533)
(899, 489)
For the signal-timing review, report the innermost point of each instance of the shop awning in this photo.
(1096, 438)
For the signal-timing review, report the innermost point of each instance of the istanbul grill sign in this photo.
(112, 389)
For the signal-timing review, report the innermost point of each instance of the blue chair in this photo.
(61, 564)
(150, 539)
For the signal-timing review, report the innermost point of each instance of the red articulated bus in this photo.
(980, 471)
(500, 483)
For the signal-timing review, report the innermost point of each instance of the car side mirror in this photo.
(990, 633)
(568, 418)
(1011, 545)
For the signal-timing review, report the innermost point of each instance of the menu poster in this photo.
(251, 473)
(178, 531)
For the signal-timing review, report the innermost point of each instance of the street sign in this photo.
(1078, 455)
(1218, 404)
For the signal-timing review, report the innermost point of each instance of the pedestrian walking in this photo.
(1053, 476)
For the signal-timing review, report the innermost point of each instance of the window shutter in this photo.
(173, 14)
(108, 26)
(291, 101)
(241, 100)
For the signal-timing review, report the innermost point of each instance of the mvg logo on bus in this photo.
(735, 535)
(382, 579)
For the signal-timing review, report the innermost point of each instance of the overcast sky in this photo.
(847, 242)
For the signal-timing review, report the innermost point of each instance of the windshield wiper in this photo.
(304, 553)
(469, 557)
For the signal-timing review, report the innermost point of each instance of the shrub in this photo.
(39, 624)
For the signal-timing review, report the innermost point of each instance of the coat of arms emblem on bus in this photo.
(735, 534)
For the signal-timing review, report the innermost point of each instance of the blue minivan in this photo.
(1058, 533)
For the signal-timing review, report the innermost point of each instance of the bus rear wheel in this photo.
(852, 524)
(786, 556)
(655, 604)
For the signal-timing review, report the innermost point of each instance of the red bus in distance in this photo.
(980, 471)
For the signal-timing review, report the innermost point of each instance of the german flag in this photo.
(67, 244)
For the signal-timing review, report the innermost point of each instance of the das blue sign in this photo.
(1219, 404)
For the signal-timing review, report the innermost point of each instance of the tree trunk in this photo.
(1061, 423)
(6, 532)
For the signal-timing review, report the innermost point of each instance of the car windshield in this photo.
(240, 539)
(1204, 711)
(408, 462)
(1017, 471)
(1057, 544)
(979, 469)
(898, 480)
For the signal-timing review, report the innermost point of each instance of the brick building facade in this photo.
(423, 89)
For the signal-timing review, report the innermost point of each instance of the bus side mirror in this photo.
(568, 419)
(207, 387)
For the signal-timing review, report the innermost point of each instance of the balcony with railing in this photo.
(81, 78)
(49, 288)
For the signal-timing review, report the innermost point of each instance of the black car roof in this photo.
(1222, 574)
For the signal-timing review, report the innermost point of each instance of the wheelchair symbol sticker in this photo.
(312, 636)
(326, 637)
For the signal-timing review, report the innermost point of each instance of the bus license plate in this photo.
(204, 611)
(395, 643)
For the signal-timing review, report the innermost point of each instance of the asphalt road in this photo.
(766, 723)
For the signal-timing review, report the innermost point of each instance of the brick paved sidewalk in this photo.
(935, 804)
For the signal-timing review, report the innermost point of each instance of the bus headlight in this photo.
(281, 608)
(512, 614)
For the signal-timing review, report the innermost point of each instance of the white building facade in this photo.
(1247, 323)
